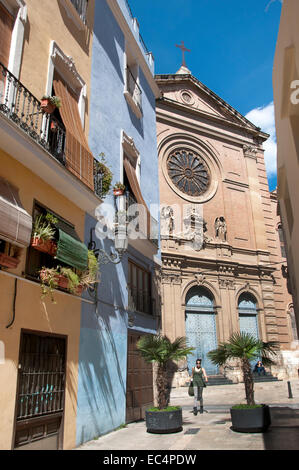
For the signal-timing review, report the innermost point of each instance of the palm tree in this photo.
(159, 349)
(245, 347)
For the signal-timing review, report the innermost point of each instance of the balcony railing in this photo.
(20, 106)
(140, 301)
(134, 89)
(81, 7)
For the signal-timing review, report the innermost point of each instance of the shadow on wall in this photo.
(83, 36)
(102, 374)
(283, 433)
(110, 37)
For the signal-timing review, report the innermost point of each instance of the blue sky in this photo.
(232, 46)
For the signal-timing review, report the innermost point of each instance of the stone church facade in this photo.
(221, 251)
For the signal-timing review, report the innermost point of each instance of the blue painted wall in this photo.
(103, 337)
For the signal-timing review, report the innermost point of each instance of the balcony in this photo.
(23, 109)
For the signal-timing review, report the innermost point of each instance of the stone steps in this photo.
(218, 380)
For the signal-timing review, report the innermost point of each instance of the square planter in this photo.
(47, 246)
(9, 261)
(118, 192)
(47, 106)
(164, 422)
(251, 419)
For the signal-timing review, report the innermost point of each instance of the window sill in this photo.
(135, 108)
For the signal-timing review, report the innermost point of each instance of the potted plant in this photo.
(43, 234)
(89, 277)
(50, 103)
(248, 417)
(49, 281)
(160, 350)
(118, 189)
(103, 175)
(69, 280)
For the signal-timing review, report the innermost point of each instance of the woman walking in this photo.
(200, 378)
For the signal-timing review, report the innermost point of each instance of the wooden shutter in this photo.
(6, 27)
(131, 175)
(79, 159)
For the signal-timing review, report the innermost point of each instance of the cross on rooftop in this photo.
(183, 49)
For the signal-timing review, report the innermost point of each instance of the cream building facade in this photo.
(286, 101)
(221, 259)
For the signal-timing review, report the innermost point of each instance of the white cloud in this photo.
(264, 118)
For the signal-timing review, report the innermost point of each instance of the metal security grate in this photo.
(42, 376)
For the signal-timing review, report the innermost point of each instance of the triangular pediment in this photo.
(186, 91)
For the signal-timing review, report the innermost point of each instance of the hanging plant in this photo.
(101, 169)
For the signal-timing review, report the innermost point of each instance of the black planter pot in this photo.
(251, 419)
(164, 422)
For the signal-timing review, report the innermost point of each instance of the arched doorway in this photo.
(201, 327)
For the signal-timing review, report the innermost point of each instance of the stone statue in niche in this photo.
(167, 222)
(195, 228)
(220, 228)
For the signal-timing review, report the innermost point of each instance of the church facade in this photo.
(221, 253)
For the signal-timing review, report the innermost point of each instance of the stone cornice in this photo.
(198, 127)
(175, 78)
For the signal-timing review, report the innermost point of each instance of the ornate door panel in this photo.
(248, 324)
(201, 335)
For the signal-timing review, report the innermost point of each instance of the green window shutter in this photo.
(72, 251)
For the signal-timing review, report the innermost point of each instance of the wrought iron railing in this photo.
(140, 301)
(20, 106)
(81, 7)
(146, 51)
(134, 89)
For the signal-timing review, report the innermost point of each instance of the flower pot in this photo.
(118, 192)
(46, 246)
(251, 419)
(63, 282)
(8, 261)
(79, 290)
(47, 106)
(164, 422)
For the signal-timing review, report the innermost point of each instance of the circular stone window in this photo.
(188, 172)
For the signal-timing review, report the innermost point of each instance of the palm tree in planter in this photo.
(160, 350)
(248, 417)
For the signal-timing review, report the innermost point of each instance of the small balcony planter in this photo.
(46, 246)
(164, 421)
(8, 261)
(250, 419)
(119, 189)
(48, 104)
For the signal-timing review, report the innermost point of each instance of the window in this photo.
(76, 10)
(133, 92)
(281, 240)
(63, 249)
(139, 286)
(81, 7)
(6, 28)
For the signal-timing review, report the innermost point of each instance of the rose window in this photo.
(188, 172)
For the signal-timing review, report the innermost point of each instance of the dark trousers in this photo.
(198, 396)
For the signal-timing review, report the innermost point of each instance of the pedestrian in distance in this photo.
(200, 379)
(259, 368)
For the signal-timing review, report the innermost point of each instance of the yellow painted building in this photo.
(46, 168)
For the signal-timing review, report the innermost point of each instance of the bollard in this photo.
(290, 389)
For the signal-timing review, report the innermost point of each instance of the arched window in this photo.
(248, 314)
